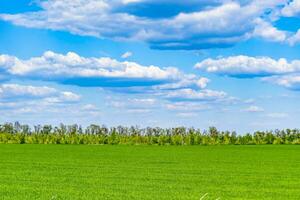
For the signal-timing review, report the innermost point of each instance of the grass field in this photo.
(149, 172)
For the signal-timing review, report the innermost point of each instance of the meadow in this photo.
(35, 171)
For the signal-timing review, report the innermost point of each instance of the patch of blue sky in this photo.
(13, 6)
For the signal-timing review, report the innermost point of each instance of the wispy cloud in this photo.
(187, 115)
(15, 91)
(253, 109)
(288, 81)
(277, 115)
(126, 55)
(194, 95)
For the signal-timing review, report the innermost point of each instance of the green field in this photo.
(149, 172)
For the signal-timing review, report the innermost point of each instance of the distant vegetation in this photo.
(94, 134)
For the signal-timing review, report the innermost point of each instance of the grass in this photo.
(149, 172)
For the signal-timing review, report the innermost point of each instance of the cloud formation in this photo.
(32, 102)
(18, 101)
(279, 72)
(288, 81)
(291, 9)
(245, 66)
(191, 25)
(102, 72)
(15, 91)
(268, 32)
(194, 95)
(168, 84)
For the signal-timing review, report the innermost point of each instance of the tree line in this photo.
(16, 133)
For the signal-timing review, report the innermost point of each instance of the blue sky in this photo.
(151, 63)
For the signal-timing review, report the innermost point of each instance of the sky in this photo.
(233, 64)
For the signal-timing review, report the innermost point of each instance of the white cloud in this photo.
(14, 91)
(291, 9)
(69, 96)
(240, 66)
(267, 31)
(289, 81)
(214, 26)
(186, 82)
(175, 100)
(295, 39)
(196, 95)
(35, 103)
(202, 82)
(280, 72)
(127, 55)
(63, 97)
(106, 72)
(72, 65)
(57, 67)
(254, 109)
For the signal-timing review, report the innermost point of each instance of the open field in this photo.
(149, 172)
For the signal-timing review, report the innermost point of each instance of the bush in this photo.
(95, 134)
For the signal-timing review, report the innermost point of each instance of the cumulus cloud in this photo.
(72, 65)
(280, 72)
(289, 81)
(267, 31)
(294, 39)
(112, 75)
(213, 24)
(245, 66)
(104, 71)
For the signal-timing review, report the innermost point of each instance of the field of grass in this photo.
(149, 172)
